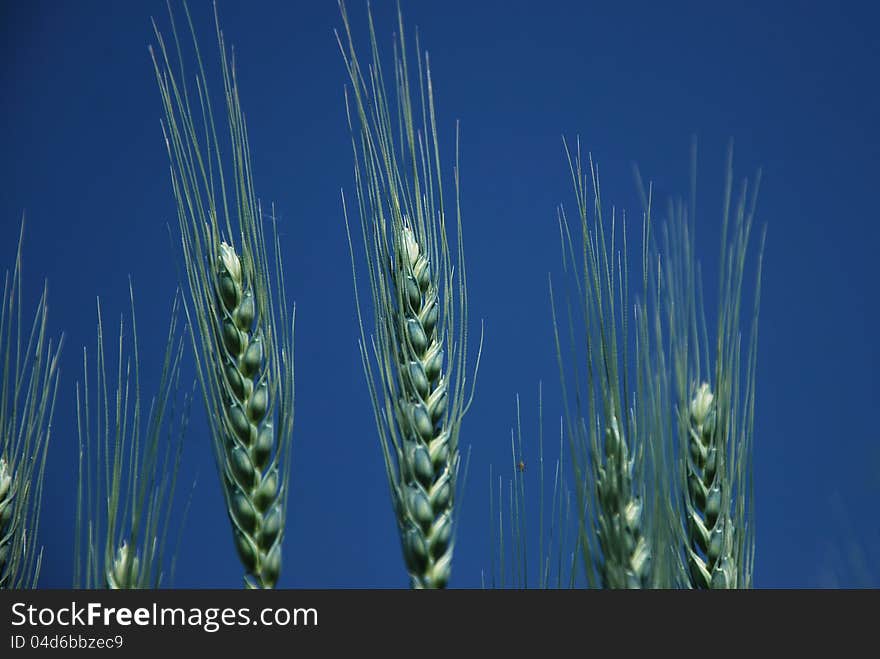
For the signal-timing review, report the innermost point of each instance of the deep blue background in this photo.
(793, 85)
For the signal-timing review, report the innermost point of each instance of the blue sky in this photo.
(793, 86)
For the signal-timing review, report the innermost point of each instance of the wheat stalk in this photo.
(128, 464)
(416, 374)
(29, 377)
(241, 330)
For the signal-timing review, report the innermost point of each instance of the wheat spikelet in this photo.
(29, 376)
(241, 330)
(124, 571)
(416, 373)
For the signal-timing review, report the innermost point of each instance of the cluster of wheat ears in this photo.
(658, 403)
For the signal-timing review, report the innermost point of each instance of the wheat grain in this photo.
(241, 330)
(417, 381)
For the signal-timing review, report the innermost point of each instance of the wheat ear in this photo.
(250, 477)
(604, 423)
(241, 330)
(713, 398)
(710, 548)
(424, 494)
(29, 373)
(128, 463)
(624, 546)
(417, 379)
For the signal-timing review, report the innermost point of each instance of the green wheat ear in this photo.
(709, 551)
(604, 409)
(415, 362)
(128, 464)
(28, 386)
(241, 329)
(705, 406)
(715, 393)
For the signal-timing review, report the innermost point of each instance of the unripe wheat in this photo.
(29, 376)
(416, 373)
(250, 476)
(424, 495)
(624, 547)
(7, 494)
(241, 330)
(713, 398)
(128, 463)
(709, 528)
